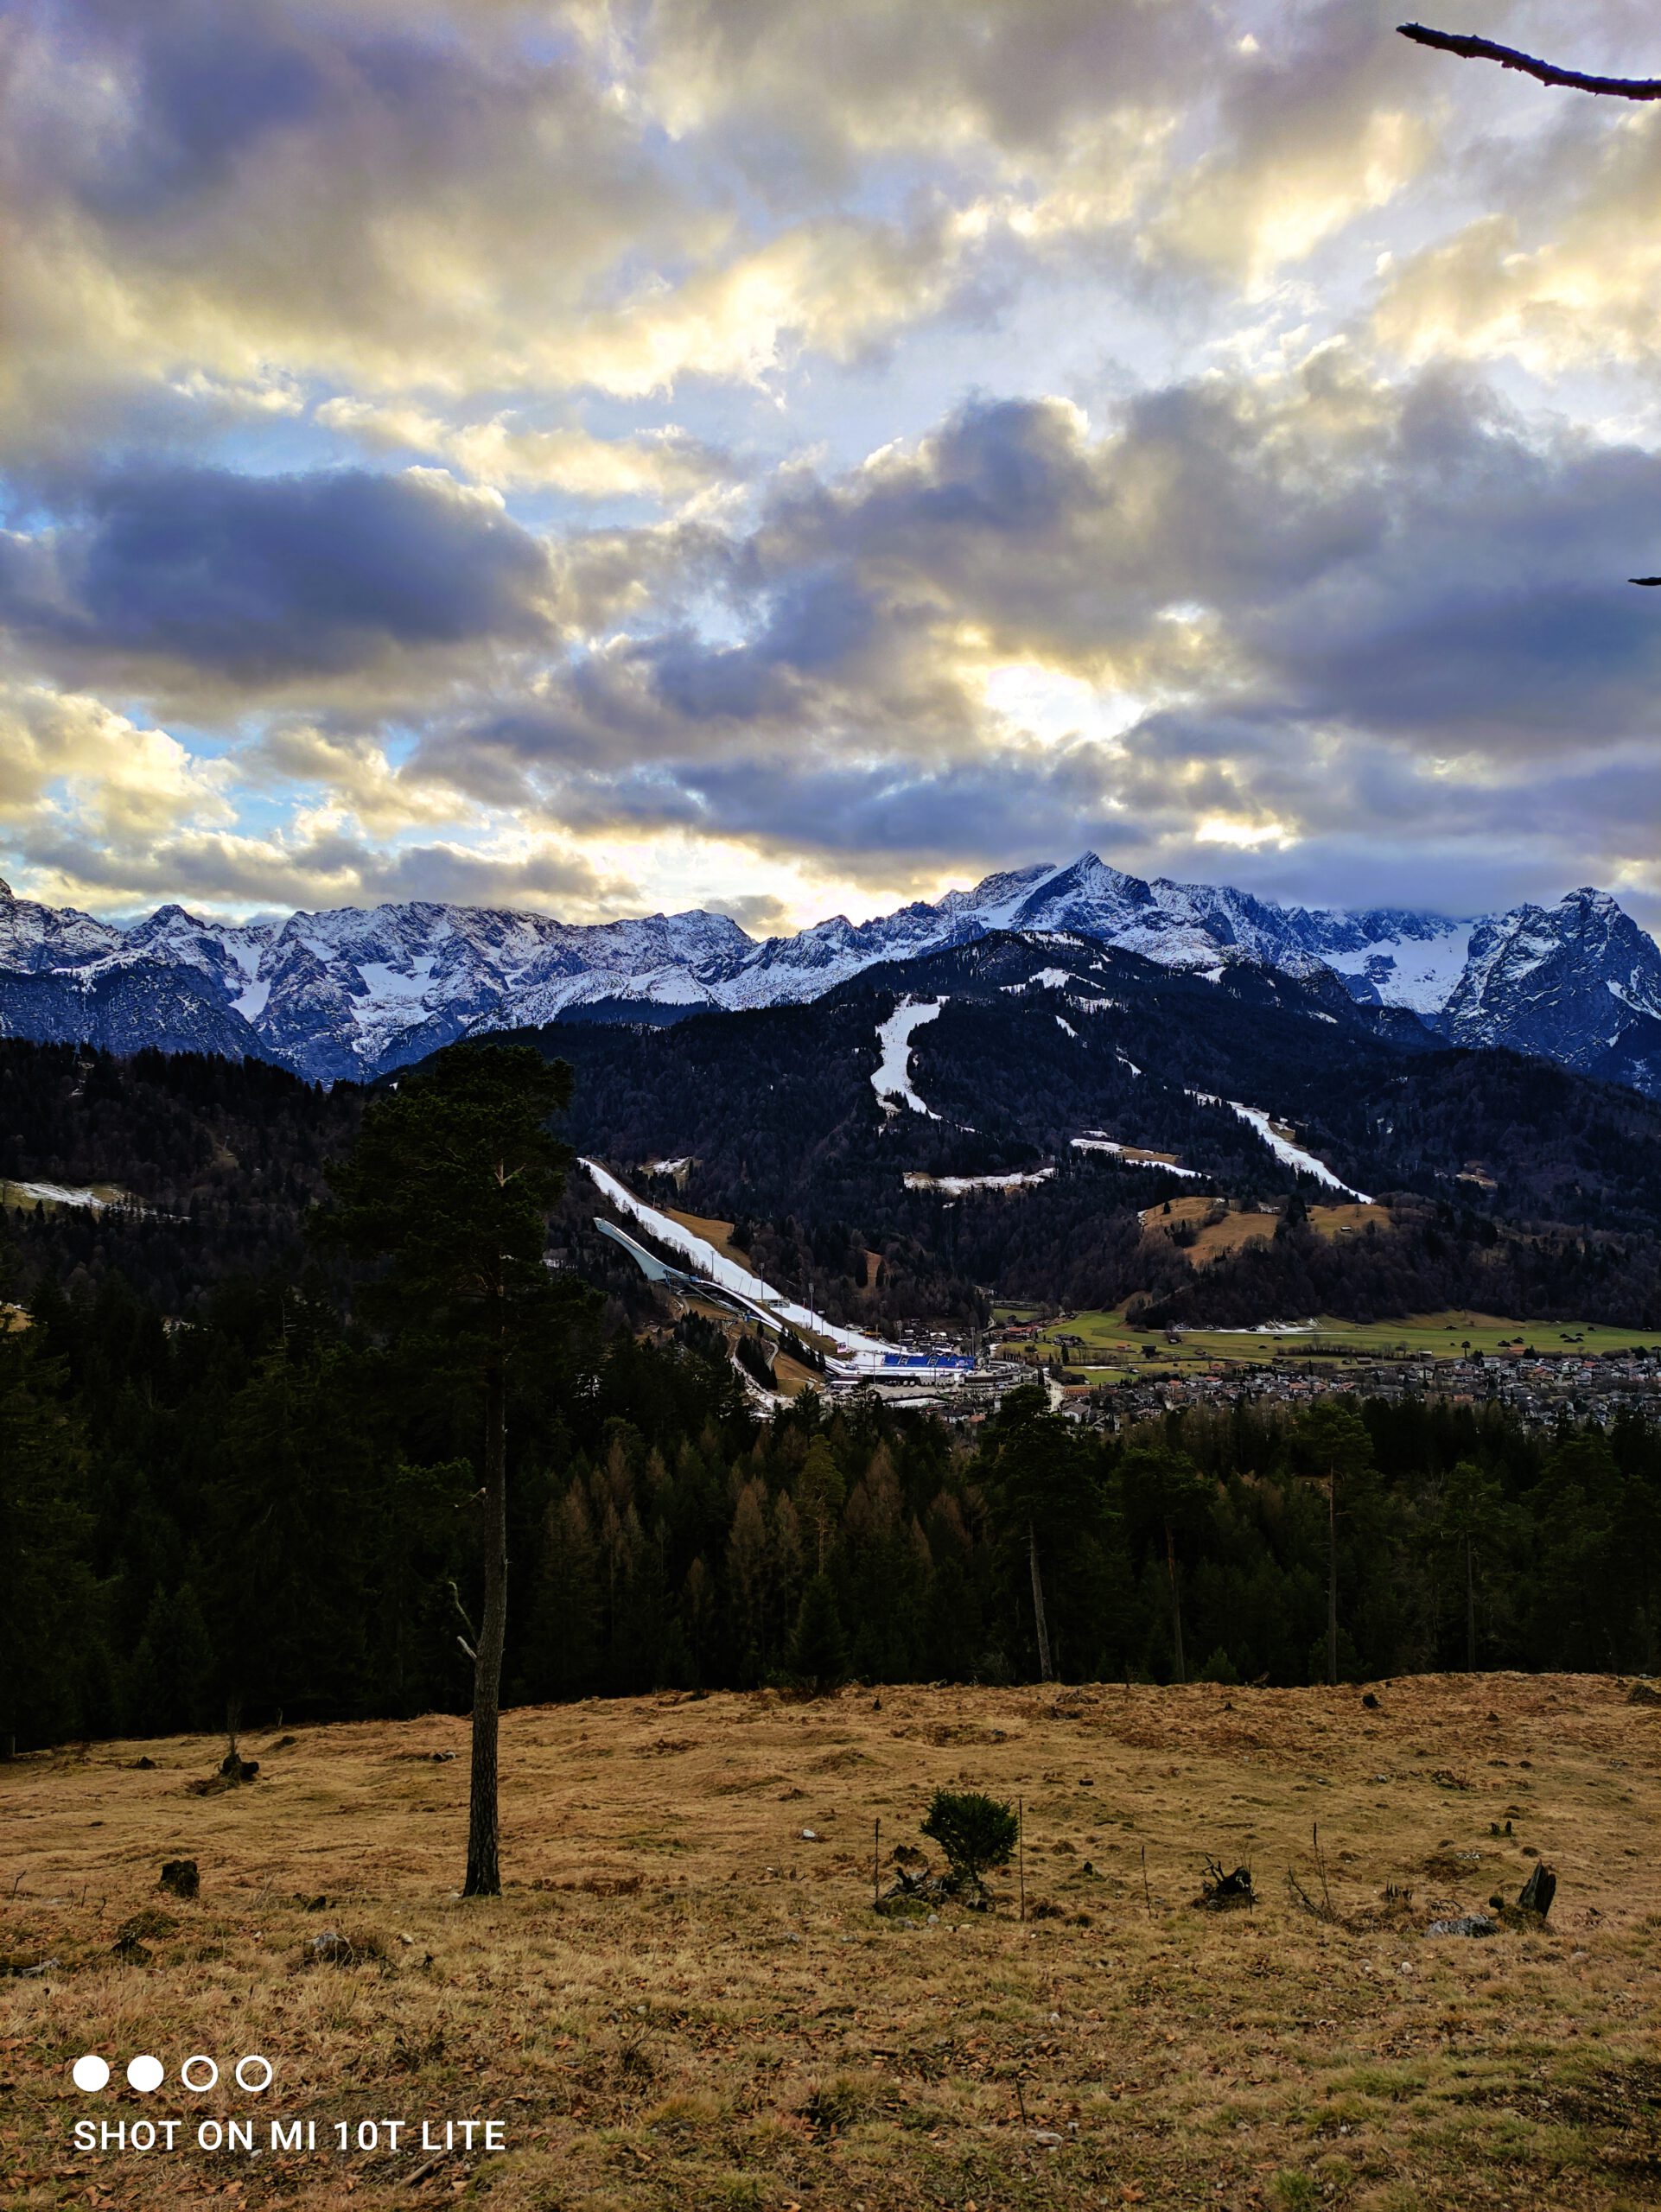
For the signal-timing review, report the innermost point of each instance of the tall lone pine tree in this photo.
(451, 1182)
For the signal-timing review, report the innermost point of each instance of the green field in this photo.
(1112, 1348)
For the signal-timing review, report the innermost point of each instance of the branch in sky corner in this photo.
(1485, 50)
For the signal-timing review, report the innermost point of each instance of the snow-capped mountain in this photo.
(1578, 982)
(352, 992)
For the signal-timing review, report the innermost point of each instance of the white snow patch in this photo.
(63, 1194)
(892, 1078)
(955, 1185)
(1068, 1026)
(771, 1401)
(251, 1003)
(1134, 1156)
(1125, 1060)
(727, 1273)
(1270, 1329)
(668, 1167)
(1292, 1155)
(1419, 972)
(388, 985)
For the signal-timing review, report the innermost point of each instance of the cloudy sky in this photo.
(617, 454)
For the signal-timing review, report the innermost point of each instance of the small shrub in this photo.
(829, 2106)
(976, 1834)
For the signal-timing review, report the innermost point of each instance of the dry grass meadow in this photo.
(1216, 1239)
(681, 2001)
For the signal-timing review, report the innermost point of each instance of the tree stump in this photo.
(1538, 1890)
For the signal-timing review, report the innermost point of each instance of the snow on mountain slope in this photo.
(957, 1187)
(1135, 1155)
(1294, 1155)
(891, 1077)
(355, 991)
(1578, 982)
(35, 939)
(1418, 972)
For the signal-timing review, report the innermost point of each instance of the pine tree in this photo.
(1162, 1486)
(818, 1651)
(50, 1616)
(1333, 1445)
(451, 1182)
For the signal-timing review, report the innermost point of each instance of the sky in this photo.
(612, 456)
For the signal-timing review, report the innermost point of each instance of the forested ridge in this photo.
(1516, 1187)
(219, 1158)
(268, 1511)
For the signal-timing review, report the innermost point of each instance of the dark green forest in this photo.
(233, 1482)
(268, 1512)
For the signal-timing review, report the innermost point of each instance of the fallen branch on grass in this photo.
(1313, 1906)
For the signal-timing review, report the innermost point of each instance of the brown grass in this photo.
(1216, 1238)
(682, 2003)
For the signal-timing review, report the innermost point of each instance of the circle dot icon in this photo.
(144, 2075)
(90, 2073)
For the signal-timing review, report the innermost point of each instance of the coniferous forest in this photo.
(268, 1512)
(233, 1484)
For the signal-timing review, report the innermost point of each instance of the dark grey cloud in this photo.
(1333, 589)
(201, 87)
(259, 580)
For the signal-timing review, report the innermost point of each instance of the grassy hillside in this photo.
(683, 2001)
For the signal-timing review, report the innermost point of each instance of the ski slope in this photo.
(1294, 1155)
(891, 1077)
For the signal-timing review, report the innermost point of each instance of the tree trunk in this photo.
(1470, 1611)
(484, 1869)
(1038, 1606)
(1176, 1605)
(1332, 1578)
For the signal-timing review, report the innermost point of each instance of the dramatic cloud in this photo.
(262, 579)
(1327, 596)
(633, 453)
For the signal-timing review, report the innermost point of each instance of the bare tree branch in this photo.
(1508, 57)
(1484, 49)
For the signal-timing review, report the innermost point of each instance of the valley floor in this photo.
(685, 2001)
(1104, 1343)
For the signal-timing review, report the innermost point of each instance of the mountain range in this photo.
(352, 993)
